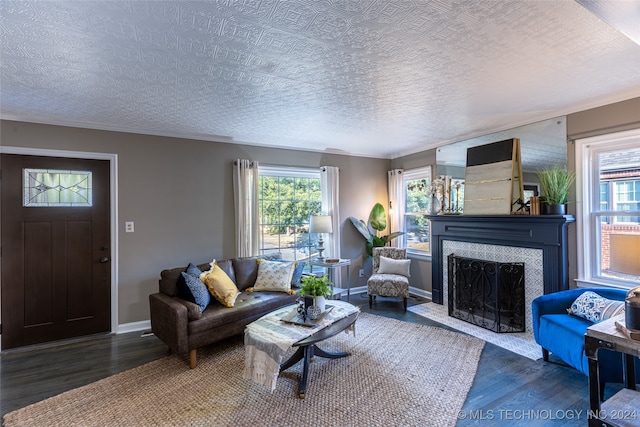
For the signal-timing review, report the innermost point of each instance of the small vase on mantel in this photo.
(554, 209)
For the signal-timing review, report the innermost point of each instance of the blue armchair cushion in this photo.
(564, 337)
(595, 308)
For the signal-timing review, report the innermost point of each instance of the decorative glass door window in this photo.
(56, 188)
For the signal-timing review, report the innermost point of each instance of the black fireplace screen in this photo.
(486, 293)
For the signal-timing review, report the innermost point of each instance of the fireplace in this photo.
(540, 242)
(487, 294)
(546, 234)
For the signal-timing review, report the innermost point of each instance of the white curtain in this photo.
(245, 186)
(330, 180)
(396, 205)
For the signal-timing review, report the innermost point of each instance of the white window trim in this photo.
(584, 149)
(408, 175)
(289, 172)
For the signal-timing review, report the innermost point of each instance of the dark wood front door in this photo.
(56, 259)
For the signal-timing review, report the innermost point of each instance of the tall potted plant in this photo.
(555, 183)
(377, 222)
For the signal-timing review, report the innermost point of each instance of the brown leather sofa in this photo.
(184, 327)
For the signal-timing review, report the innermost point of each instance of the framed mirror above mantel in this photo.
(542, 145)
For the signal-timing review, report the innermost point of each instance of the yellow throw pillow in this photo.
(274, 276)
(220, 285)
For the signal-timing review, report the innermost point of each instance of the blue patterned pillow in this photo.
(191, 288)
(198, 289)
(297, 274)
(595, 308)
(193, 270)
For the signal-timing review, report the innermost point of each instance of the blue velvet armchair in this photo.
(563, 334)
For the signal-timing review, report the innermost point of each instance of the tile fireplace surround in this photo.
(538, 241)
(532, 258)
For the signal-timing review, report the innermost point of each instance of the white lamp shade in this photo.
(320, 224)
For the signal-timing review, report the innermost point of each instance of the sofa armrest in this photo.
(169, 321)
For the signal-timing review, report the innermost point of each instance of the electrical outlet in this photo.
(361, 272)
(128, 227)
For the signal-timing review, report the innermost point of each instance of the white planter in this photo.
(319, 302)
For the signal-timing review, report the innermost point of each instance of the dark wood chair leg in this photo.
(370, 301)
(405, 303)
(545, 354)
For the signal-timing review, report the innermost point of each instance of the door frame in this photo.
(113, 207)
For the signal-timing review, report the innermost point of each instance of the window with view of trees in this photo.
(417, 205)
(287, 198)
(609, 220)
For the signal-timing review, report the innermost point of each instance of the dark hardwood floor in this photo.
(508, 390)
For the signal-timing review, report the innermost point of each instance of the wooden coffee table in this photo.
(307, 348)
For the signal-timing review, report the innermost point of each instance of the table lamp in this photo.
(320, 224)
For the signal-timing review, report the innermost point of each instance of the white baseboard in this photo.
(420, 292)
(134, 327)
(358, 290)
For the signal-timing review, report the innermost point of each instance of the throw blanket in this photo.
(268, 339)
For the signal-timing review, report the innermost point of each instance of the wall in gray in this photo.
(179, 194)
(611, 118)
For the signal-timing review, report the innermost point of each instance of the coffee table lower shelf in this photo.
(307, 349)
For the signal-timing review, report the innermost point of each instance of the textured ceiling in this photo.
(373, 78)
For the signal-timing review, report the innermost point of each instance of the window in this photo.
(56, 188)
(287, 197)
(417, 183)
(608, 218)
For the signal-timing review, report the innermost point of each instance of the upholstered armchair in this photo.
(562, 334)
(390, 276)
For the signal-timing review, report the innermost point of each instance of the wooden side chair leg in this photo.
(192, 358)
(405, 303)
(370, 301)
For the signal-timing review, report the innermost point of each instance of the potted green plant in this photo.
(377, 222)
(555, 183)
(318, 288)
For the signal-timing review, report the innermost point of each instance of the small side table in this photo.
(622, 408)
(331, 266)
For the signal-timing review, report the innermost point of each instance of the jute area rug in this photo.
(521, 343)
(398, 374)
